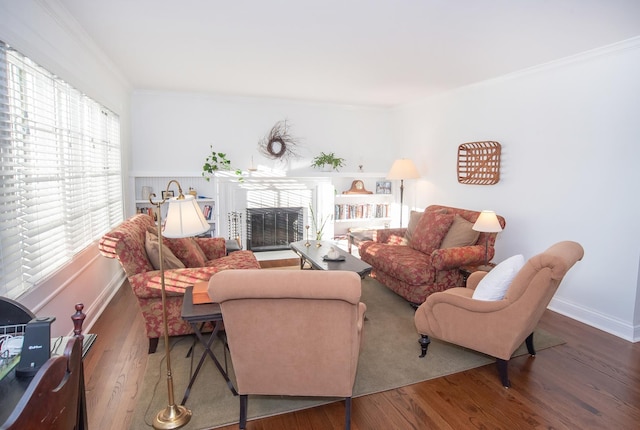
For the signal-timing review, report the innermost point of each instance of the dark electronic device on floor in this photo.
(36, 346)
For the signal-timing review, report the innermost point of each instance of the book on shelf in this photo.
(346, 211)
(207, 211)
(149, 211)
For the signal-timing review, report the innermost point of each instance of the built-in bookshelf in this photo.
(204, 191)
(361, 211)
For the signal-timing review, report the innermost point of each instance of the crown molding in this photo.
(607, 50)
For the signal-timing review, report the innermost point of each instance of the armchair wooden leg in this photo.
(243, 411)
(424, 344)
(347, 413)
(503, 372)
(153, 344)
(530, 348)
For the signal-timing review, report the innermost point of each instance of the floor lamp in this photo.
(184, 219)
(402, 169)
(487, 222)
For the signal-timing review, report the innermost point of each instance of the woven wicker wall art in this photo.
(479, 163)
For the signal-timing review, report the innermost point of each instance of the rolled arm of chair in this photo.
(451, 298)
(389, 235)
(474, 279)
(148, 284)
(452, 258)
(213, 247)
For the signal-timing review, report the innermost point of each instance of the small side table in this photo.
(354, 237)
(197, 316)
(466, 271)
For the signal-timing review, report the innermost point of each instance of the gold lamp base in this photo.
(172, 417)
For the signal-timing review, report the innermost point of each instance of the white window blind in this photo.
(61, 172)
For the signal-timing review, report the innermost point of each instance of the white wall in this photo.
(49, 36)
(570, 145)
(172, 132)
(569, 133)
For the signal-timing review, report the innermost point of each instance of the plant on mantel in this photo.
(216, 162)
(329, 159)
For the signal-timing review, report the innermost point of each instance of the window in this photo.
(60, 172)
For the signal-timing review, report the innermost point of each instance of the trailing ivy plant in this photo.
(218, 161)
(328, 160)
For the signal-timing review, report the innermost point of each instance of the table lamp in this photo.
(184, 219)
(487, 222)
(402, 169)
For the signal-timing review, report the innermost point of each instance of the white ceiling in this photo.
(365, 52)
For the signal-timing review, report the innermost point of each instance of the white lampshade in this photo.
(403, 168)
(487, 222)
(184, 218)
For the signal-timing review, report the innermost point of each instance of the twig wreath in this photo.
(279, 143)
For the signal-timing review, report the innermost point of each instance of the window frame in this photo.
(60, 173)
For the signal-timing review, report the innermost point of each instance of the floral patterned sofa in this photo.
(199, 259)
(426, 256)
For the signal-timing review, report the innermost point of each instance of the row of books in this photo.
(149, 211)
(357, 211)
(207, 210)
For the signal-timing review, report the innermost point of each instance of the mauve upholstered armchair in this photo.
(291, 333)
(498, 328)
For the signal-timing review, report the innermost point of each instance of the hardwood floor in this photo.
(591, 382)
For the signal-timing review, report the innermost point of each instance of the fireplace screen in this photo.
(270, 229)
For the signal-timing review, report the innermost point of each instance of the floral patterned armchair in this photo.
(426, 256)
(126, 243)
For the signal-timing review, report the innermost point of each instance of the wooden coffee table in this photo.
(314, 253)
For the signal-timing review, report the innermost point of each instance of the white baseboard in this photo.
(595, 319)
(96, 308)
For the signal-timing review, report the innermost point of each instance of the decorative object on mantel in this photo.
(215, 162)
(253, 167)
(402, 169)
(279, 144)
(357, 187)
(329, 160)
(383, 187)
(479, 163)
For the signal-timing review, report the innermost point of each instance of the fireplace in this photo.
(270, 229)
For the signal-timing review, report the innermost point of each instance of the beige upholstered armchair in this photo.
(498, 327)
(291, 333)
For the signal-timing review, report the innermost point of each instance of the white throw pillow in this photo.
(495, 283)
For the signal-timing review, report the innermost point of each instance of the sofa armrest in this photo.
(213, 247)
(147, 284)
(474, 279)
(451, 258)
(389, 235)
(461, 299)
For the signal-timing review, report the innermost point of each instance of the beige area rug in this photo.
(389, 360)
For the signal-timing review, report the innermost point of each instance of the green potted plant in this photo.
(328, 160)
(217, 161)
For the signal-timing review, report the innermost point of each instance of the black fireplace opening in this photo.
(271, 229)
